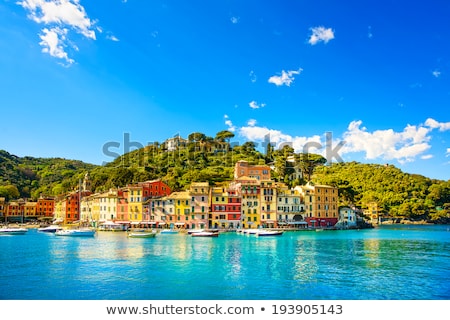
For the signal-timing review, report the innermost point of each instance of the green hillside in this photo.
(29, 177)
(398, 193)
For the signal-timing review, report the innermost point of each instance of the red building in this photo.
(154, 188)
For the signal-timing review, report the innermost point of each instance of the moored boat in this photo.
(86, 232)
(51, 228)
(191, 231)
(264, 233)
(13, 231)
(205, 234)
(141, 234)
(169, 231)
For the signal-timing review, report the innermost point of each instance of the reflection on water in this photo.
(382, 263)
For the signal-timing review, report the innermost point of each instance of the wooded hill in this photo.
(209, 159)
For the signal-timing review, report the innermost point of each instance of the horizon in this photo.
(78, 75)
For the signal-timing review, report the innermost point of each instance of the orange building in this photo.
(45, 207)
(15, 211)
(259, 172)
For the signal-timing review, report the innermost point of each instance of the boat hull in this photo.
(269, 233)
(205, 234)
(13, 231)
(141, 235)
(75, 233)
(50, 229)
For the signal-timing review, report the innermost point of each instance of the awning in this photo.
(135, 223)
(161, 223)
(122, 222)
(179, 223)
(109, 223)
(148, 222)
(298, 222)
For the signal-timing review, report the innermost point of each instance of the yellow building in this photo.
(60, 210)
(30, 210)
(182, 209)
(321, 204)
(249, 189)
(218, 212)
(2, 209)
(268, 201)
(372, 212)
(290, 207)
(135, 203)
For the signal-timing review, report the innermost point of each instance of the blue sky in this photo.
(77, 75)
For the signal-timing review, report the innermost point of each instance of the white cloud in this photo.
(255, 133)
(320, 34)
(442, 126)
(251, 122)
(436, 73)
(254, 105)
(252, 76)
(387, 144)
(234, 20)
(369, 32)
(229, 124)
(53, 43)
(403, 146)
(112, 38)
(59, 15)
(285, 78)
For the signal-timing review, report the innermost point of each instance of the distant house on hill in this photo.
(244, 169)
(175, 143)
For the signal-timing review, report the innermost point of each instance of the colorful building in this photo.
(122, 206)
(347, 218)
(225, 206)
(2, 209)
(15, 211)
(372, 212)
(45, 207)
(29, 209)
(321, 204)
(243, 169)
(268, 203)
(199, 192)
(249, 191)
(290, 208)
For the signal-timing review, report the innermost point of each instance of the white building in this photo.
(347, 218)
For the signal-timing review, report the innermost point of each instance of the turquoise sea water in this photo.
(392, 262)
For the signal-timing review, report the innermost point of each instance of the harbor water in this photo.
(398, 262)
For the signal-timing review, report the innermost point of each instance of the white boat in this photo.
(264, 233)
(205, 234)
(86, 232)
(52, 228)
(141, 234)
(13, 231)
(168, 231)
(191, 231)
(251, 231)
